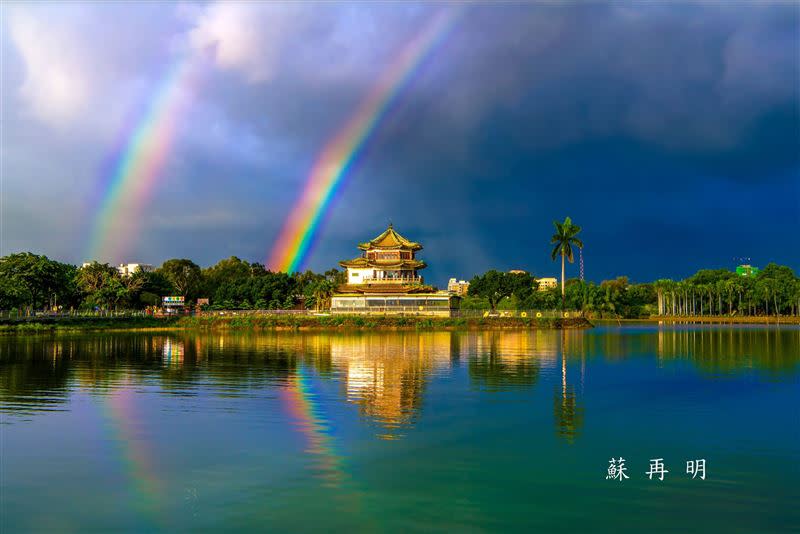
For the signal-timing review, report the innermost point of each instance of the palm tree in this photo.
(322, 294)
(563, 239)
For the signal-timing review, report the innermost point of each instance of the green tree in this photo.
(35, 281)
(492, 285)
(156, 283)
(101, 285)
(13, 293)
(184, 275)
(495, 286)
(564, 239)
(226, 270)
(336, 276)
(318, 294)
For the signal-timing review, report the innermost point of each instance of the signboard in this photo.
(173, 301)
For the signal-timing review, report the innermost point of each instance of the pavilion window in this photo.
(387, 255)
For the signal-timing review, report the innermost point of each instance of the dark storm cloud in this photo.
(596, 112)
(714, 85)
(645, 122)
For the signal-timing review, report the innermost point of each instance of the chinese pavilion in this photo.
(387, 259)
(385, 279)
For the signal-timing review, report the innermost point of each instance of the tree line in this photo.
(34, 282)
(773, 291)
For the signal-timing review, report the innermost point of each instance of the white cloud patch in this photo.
(315, 43)
(246, 37)
(56, 85)
(74, 59)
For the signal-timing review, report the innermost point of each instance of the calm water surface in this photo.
(450, 432)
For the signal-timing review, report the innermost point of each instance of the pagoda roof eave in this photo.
(369, 246)
(365, 263)
(390, 240)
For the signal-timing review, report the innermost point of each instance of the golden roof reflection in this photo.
(386, 374)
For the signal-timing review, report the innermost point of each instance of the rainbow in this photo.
(338, 155)
(147, 488)
(309, 419)
(138, 162)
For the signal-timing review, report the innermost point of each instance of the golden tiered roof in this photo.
(390, 240)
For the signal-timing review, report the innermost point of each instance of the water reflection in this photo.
(386, 375)
(501, 361)
(567, 405)
(726, 351)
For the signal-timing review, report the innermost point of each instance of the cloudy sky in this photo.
(670, 132)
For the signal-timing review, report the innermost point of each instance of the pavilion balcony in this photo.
(405, 280)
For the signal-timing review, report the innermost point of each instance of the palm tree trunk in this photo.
(563, 290)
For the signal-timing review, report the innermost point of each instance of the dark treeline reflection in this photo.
(385, 374)
(715, 350)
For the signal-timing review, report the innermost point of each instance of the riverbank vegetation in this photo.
(275, 321)
(31, 283)
(775, 291)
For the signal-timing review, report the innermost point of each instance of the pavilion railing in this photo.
(401, 280)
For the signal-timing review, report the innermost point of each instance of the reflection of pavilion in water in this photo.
(386, 374)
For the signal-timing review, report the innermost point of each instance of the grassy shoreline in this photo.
(784, 319)
(288, 322)
(339, 322)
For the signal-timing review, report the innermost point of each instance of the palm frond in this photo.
(568, 252)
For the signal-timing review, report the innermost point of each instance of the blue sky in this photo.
(669, 132)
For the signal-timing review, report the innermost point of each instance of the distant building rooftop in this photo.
(458, 287)
(127, 269)
(547, 283)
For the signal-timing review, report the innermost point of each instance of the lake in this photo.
(402, 431)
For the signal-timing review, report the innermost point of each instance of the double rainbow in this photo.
(145, 146)
(338, 155)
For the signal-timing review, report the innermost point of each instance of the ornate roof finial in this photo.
(390, 223)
